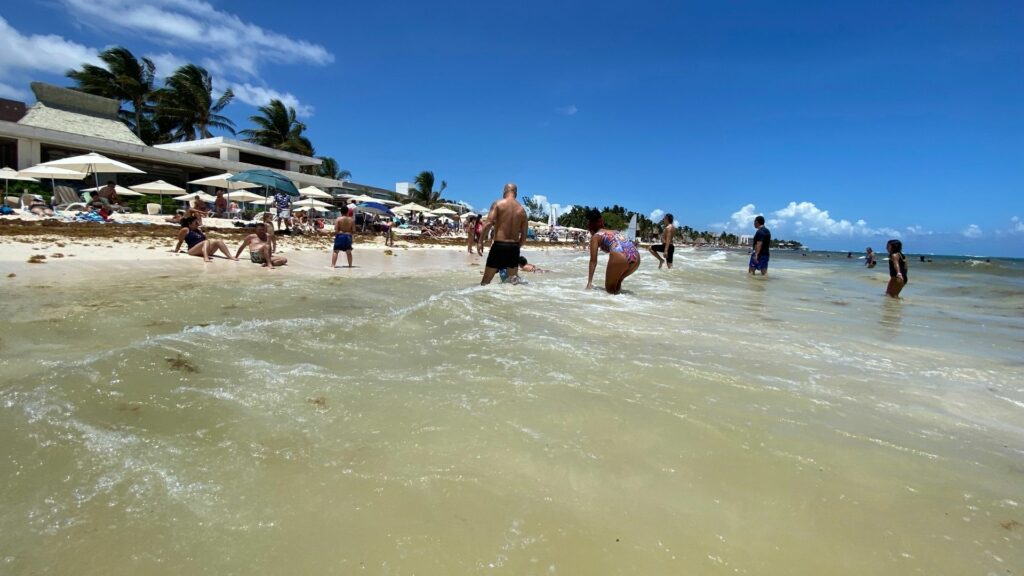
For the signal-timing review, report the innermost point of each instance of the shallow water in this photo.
(701, 423)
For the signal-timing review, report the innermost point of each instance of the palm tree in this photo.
(125, 79)
(187, 102)
(329, 169)
(424, 192)
(277, 127)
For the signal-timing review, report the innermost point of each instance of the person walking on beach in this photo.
(869, 258)
(260, 251)
(623, 257)
(344, 227)
(283, 202)
(471, 232)
(762, 241)
(666, 248)
(220, 205)
(508, 218)
(897, 268)
(198, 244)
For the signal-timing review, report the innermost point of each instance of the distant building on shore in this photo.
(65, 122)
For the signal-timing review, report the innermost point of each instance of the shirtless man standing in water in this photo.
(508, 218)
(344, 228)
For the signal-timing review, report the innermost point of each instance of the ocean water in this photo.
(703, 422)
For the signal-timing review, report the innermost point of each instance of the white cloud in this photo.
(657, 214)
(21, 55)
(239, 45)
(918, 230)
(801, 218)
(260, 96)
(560, 209)
(806, 218)
(1017, 226)
(972, 231)
(569, 110)
(166, 63)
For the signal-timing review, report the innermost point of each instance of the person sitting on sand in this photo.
(869, 258)
(198, 244)
(108, 194)
(260, 251)
(897, 268)
(623, 257)
(344, 228)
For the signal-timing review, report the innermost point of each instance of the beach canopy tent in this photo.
(221, 181)
(374, 208)
(93, 163)
(9, 174)
(314, 192)
(121, 190)
(267, 179)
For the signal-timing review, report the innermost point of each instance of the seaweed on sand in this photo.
(37, 259)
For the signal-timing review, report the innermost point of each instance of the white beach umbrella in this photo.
(444, 212)
(121, 190)
(469, 215)
(52, 172)
(414, 207)
(158, 187)
(314, 192)
(9, 174)
(221, 181)
(243, 196)
(311, 203)
(201, 195)
(93, 163)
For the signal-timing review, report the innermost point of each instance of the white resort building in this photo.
(65, 122)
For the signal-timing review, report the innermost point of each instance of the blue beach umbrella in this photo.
(268, 179)
(375, 208)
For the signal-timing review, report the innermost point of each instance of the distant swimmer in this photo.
(666, 248)
(897, 268)
(762, 241)
(623, 257)
(869, 258)
(508, 219)
(344, 228)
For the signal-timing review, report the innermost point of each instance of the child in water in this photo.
(897, 268)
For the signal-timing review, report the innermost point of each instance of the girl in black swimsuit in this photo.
(198, 244)
(897, 268)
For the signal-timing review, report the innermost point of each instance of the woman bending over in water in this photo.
(198, 244)
(623, 257)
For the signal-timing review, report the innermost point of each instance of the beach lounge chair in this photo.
(12, 202)
(65, 198)
(153, 209)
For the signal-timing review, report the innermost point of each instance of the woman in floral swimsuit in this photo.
(623, 257)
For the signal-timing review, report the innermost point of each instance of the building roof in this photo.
(42, 116)
(76, 112)
(207, 145)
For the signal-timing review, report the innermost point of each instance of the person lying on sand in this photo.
(259, 249)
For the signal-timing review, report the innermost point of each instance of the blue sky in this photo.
(843, 123)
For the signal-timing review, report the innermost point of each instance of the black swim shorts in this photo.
(660, 249)
(503, 255)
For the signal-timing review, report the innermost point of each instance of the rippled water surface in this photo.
(701, 423)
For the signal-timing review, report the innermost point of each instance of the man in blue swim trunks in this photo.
(762, 240)
(344, 227)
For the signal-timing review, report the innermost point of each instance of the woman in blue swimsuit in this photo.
(623, 257)
(198, 244)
